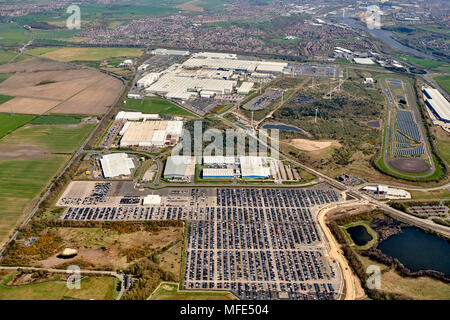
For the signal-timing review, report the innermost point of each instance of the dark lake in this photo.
(359, 235)
(418, 250)
(281, 127)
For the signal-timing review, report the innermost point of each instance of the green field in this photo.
(52, 119)
(22, 179)
(434, 65)
(443, 144)
(4, 76)
(21, 182)
(169, 291)
(3, 98)
(85, 54)
(444, 82)
(98, 288)
(42, 50)
(56, 138)
(9, 123)
(6, 56)
(11, 33)
(155, 105)
(56, 34)
(444, 150)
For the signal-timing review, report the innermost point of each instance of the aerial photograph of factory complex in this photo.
(224, 151)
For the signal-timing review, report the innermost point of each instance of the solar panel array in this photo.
(401, 138)
(396, 84)
(410, 152)
(403, 145)
(406, 125)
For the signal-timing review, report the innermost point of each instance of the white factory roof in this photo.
(235, 64)
(174, 127)
(143, 66)
(271, 67)
(218, 160)
(245, 87)
(261, 75)
(116, 164)
(135, 116)
(128, 62)
(215, 172)
(134, 96)
(388, 192)
(438, 102)
(159, 136)
(178, 87)
(152, 200)
(161, 51)
(150, 133)
(179, 166)
(363, 60)
(124, 128)
(148, 79)
(343, 50)
(215, 55)
(252, 166)
(207, 94)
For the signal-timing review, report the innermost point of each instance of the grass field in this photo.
(422, 288)
(443, 143)
(155, 105)
(21, 182)
(11, 33)
(9, 123)
(52, 119)
(6, 56)
(56, 138)
(444, 82)
(4, 76)
(98, 288)
(437, 194)
(438, 66)
(169, 291)
(4, 98)
(85, 54)
(23, 178)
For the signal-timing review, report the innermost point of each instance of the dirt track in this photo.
(352, 288)
(312, 145)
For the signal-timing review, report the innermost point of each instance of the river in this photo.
(386, 37)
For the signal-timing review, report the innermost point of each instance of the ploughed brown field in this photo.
(412, 165)
(46, 87)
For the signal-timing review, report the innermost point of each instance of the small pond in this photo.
(359, 235)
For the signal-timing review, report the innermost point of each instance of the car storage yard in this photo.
(258, 243)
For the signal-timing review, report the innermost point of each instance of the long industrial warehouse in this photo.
(437, 104)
